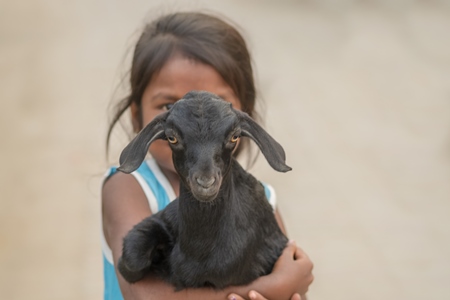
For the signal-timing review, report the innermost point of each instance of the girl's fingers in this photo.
(256, 296)
(235, 297)
(290, 249)
(299, 253)
(296, 297)
(253, 295)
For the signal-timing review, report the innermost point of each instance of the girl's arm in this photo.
(291, 275)
(124, 204)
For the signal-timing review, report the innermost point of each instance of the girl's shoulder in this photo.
(151, 180)
(270, 194)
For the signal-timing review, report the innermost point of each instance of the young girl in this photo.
(176, 54)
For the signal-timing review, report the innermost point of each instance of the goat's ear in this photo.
(272, 151)
(134, 153)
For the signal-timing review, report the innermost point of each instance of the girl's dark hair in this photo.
(198, 36)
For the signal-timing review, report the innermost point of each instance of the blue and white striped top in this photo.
(159, 194)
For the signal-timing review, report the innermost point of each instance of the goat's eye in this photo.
(172, 139)
(234, 138)
(167, 106)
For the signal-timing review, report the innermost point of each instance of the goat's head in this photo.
(202, 131)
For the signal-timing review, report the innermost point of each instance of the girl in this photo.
(176, 54)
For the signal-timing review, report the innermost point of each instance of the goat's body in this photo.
(231, 241)
(221, 231)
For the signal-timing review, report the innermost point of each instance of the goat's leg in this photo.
(146, 246)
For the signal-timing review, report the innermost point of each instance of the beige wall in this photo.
(358, 94)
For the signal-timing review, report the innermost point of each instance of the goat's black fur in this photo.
(221, 230)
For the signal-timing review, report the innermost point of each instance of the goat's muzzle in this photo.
(205, 188)
(205, 182)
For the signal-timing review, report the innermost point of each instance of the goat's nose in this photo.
(206, 182)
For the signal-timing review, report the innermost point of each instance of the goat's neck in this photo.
(202, 222)
(195, 213)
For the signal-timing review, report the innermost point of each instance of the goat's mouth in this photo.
(205, 194)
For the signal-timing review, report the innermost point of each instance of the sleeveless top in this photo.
(159, 194)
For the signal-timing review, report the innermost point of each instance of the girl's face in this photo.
(177, 77)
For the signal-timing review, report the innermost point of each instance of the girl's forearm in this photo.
(270, 286)
(155, 288)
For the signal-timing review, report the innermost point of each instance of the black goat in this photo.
(221, 230)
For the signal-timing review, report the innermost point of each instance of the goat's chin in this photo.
(205, 194)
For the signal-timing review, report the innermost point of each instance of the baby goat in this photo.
(221, 230)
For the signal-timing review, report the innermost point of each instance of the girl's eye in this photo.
(172, 139)
(167, 106)
(234, 138)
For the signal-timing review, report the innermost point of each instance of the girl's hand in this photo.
(253, 295)
(290, 278)
(294, 268)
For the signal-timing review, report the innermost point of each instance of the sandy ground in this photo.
(358, 93)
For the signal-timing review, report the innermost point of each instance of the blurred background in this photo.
(358, 93)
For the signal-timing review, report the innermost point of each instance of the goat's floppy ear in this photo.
(272, 151)
(134, 153)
